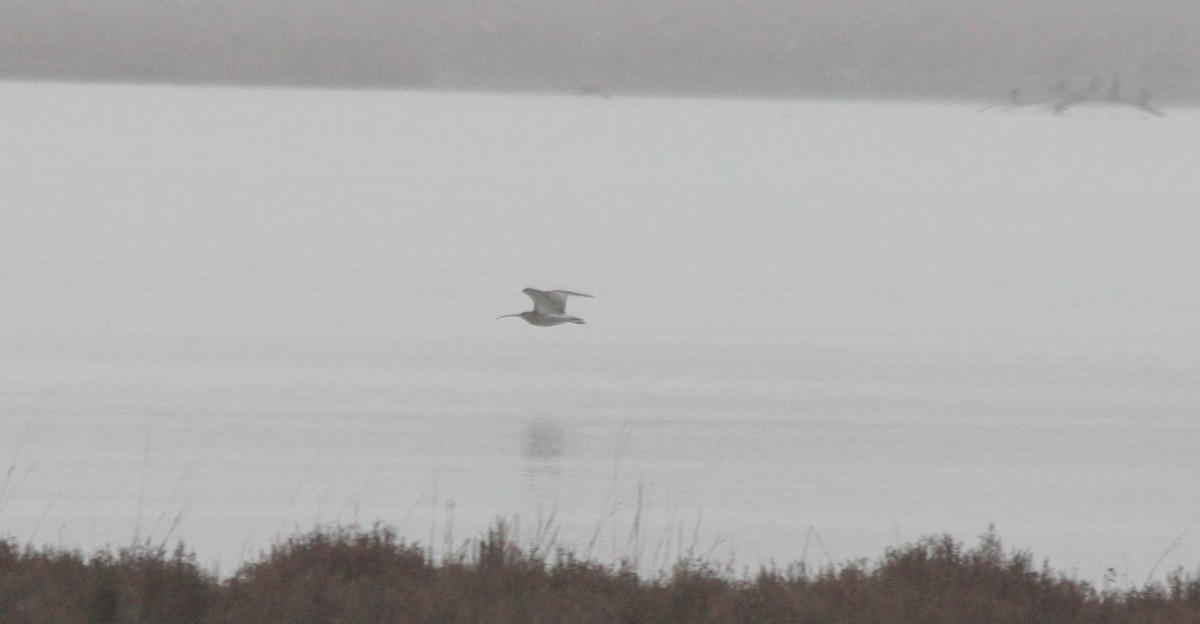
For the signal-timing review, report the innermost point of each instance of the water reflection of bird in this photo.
(549, 308)
(543, 440)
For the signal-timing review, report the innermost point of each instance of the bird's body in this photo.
(549, 308)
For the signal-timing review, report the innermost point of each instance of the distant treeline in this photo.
(353, 575)
(979, 49)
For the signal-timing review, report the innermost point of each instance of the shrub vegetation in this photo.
(367, 575)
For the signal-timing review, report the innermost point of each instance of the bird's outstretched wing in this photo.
(551, 301)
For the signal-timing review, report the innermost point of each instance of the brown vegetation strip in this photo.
(357, 575)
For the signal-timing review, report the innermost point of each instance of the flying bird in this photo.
(549, 308)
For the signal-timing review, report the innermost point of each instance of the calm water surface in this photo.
(819, 329)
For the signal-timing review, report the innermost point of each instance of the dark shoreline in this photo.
(357, 574)
(926, 49)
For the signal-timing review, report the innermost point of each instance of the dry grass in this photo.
(129, 585)
(358, 575)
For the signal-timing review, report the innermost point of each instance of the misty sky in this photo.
(923, 48)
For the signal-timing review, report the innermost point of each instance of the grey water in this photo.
(819, 329)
